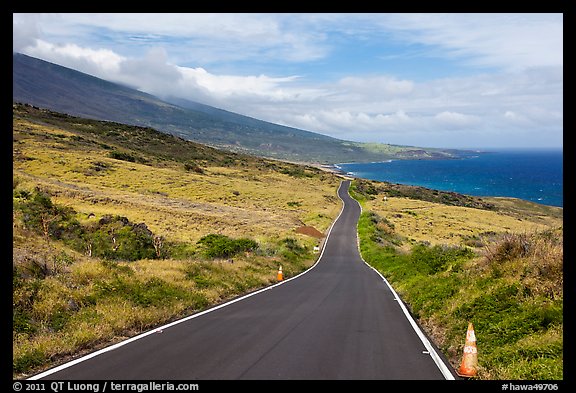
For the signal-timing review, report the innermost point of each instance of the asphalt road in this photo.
(339, 320)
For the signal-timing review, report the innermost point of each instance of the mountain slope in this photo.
(61, 89)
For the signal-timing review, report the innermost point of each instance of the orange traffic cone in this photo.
(469, 365)
(280, 277)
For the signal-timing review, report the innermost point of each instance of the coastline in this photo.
(330, 168)
(520, 174)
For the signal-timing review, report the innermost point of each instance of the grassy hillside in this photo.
(118, 229)
(495, 262)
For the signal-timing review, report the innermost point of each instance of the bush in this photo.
(291, 250)
(40, 215)
(30, 359)
(116, 238)
(511, 246)
(221, 246)
(431, 260)
(193, 167)
(363, 190)
(119, 155)
(381, 230)
(295, 171)
(112, 238)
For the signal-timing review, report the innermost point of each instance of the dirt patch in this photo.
(310, 231)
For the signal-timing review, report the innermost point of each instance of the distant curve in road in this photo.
(339, 320)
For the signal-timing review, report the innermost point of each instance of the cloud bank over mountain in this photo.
(438, 80)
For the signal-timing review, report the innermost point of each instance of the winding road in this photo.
(338, 320)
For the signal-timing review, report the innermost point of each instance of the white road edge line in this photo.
(140, 336)
(432, 352)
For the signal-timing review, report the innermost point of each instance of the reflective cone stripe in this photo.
(280, 276)
(469, 365)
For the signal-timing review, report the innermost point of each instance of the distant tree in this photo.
(42, 216)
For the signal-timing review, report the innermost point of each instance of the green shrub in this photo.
(295, 171)
(32, 358)
(291, 250)
(42, 216)
(115, 238)
(221, 246)
(381, 230)
(123, 156)
(363, 190)
(22, 322)
(153, 292)
(431, 260)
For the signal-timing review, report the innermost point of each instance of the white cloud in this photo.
(151, 73)
(455, 120)
(515, 119)
(226, 86)
(509, 41)
(98, 62)
(25, 31)
(375, 108)
(523, 97)
(192, 37)
(378, 86)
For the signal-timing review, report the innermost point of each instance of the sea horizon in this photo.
(533, 174)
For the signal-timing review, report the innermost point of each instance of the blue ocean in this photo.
(533, 175)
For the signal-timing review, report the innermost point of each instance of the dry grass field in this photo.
(435, 223)
(178, 204)
(67, 302)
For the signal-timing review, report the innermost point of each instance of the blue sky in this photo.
(433, 80)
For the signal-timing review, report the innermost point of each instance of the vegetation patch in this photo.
(120, 155)
(130, 228)
(221, 246)
(370, 190)
(511, 290)
(112, 237)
